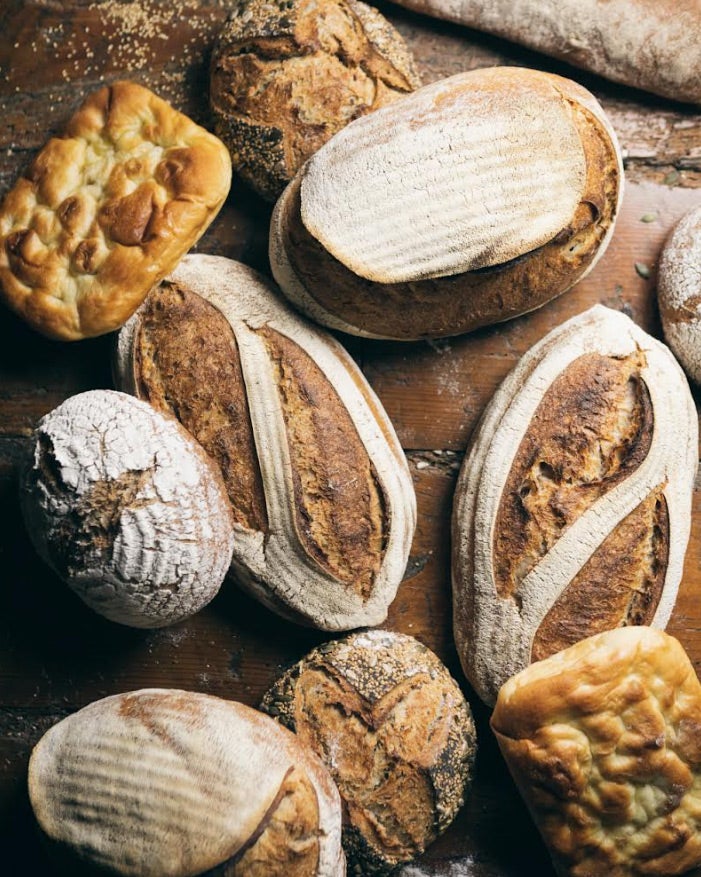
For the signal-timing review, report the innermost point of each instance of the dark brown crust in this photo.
(592, 429)
(287, 75)
(339, 504)
(208, 396)
(394, 730)
(620, 584)
(460, 303)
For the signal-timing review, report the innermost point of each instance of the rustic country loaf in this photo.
(394, 730)
(679, 292)
(323, 502)
(474, 199)
(572, 509)
(128, 509)
(648, 44)
(106, 210)
(603, 742)
(175, 784)
(286, 76)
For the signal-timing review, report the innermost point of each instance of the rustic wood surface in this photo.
(56, 655)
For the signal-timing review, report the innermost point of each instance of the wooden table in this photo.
(56, 655)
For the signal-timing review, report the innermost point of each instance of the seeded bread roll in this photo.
(573, 506)
(175, 784)
(128, 509)
(286, 76)
(679, 292)
(603, 742)
(394, 730)
(322, 498)
(106, 210)
(474, 199)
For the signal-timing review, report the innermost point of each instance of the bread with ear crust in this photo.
(474, 199)
(604, 743)
(649, 44)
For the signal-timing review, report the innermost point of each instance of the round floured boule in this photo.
(287, 75)
(393, 728)
(128, 509)
(474, 199)
(323, 502)
(157, 783)
(573, 507)
(679, 292)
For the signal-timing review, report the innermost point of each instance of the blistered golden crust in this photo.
(604, 742)
(106, 211)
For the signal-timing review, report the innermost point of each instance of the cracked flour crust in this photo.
(125, 506)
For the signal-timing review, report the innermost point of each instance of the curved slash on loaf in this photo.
(294, 559)
(495, 632)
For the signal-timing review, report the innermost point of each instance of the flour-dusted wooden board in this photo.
(55, 655)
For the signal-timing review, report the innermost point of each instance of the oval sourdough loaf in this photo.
(322, 498)
(573, 506)
(650, 44)
(175, 783)
(603, 742)
(394, 730)
(474, 199)
(128, 509)
(679, 292)
(287, 75)
(106, 210)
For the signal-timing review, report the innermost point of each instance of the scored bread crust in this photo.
(432, 301)
(284, 547)
(603, 741)
(106, 210)
(176, 783)
(495, 628)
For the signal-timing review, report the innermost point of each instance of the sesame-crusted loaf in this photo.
(287, 75)
(395, 732)
(106, 210)
(604, 743)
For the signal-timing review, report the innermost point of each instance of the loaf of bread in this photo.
(679, 292)
(468, 202)
(286, 76)
(572, 510)
(322, 498)
(603, 742)
(107, 210)
(394, 730)
(651, 45)
(128, 509)
(176, 784)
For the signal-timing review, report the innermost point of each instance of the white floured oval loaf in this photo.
(649, 44)
(475, 199)
(572, 510)
(176, 784)
(127, 509)
(322, 498)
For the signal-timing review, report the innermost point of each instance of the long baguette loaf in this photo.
(644, 43)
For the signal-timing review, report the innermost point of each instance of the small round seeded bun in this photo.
(393, 728)
(679, 292)
(287, 75)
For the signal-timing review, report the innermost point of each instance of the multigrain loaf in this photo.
(322, 498)
(394, 730)
(603, 742)
(649, 44)
(287, 75)
(679, 292)
(106, 210)
(127, 509)
(572, 510)
(474, 199)
(174, 783)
